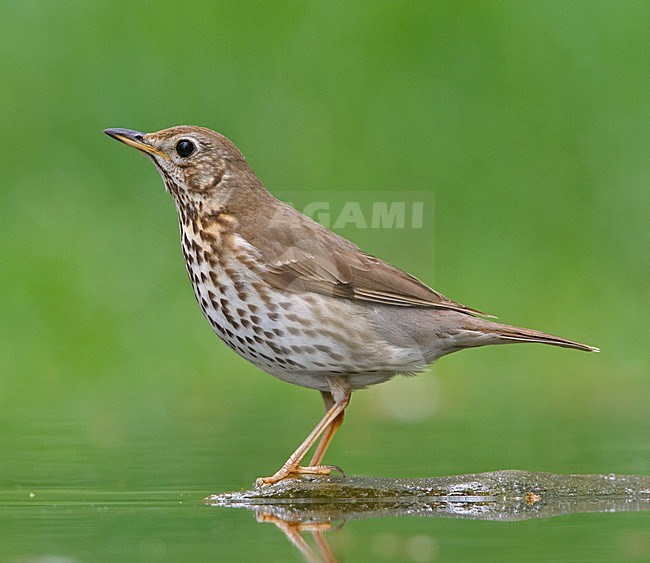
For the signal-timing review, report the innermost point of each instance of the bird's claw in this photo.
(296, 471)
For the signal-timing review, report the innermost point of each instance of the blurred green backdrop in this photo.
(528, 121)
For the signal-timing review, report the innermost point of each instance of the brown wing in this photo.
(302, 256)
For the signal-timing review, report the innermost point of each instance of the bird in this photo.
(297, 300)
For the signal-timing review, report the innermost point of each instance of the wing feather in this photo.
(299, 255)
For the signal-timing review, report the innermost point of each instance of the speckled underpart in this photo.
(297, 338)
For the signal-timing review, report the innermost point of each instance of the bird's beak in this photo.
(134, 139)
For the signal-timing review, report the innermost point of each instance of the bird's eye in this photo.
(184, 147)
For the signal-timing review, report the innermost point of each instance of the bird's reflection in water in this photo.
(314, 506)
(303, 519)
(293, 530)
(297, 522)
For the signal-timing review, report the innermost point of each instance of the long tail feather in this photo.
(506, 333)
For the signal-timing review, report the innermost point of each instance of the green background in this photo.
(529, 122)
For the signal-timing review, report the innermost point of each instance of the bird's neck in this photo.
(219, 219)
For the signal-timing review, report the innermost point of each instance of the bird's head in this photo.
(196, 164)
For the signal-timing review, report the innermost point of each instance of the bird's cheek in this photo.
(208, 181)
(193, 180)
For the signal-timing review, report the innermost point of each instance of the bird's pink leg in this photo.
(317, 458)
(341, 398)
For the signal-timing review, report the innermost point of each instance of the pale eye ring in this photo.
(185, 148)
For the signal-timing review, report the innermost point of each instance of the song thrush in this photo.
(300, 302)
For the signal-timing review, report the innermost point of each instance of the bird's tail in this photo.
(496, 333)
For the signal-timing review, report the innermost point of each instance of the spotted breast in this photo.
(296, 338)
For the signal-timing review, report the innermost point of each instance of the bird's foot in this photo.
(288, 471)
